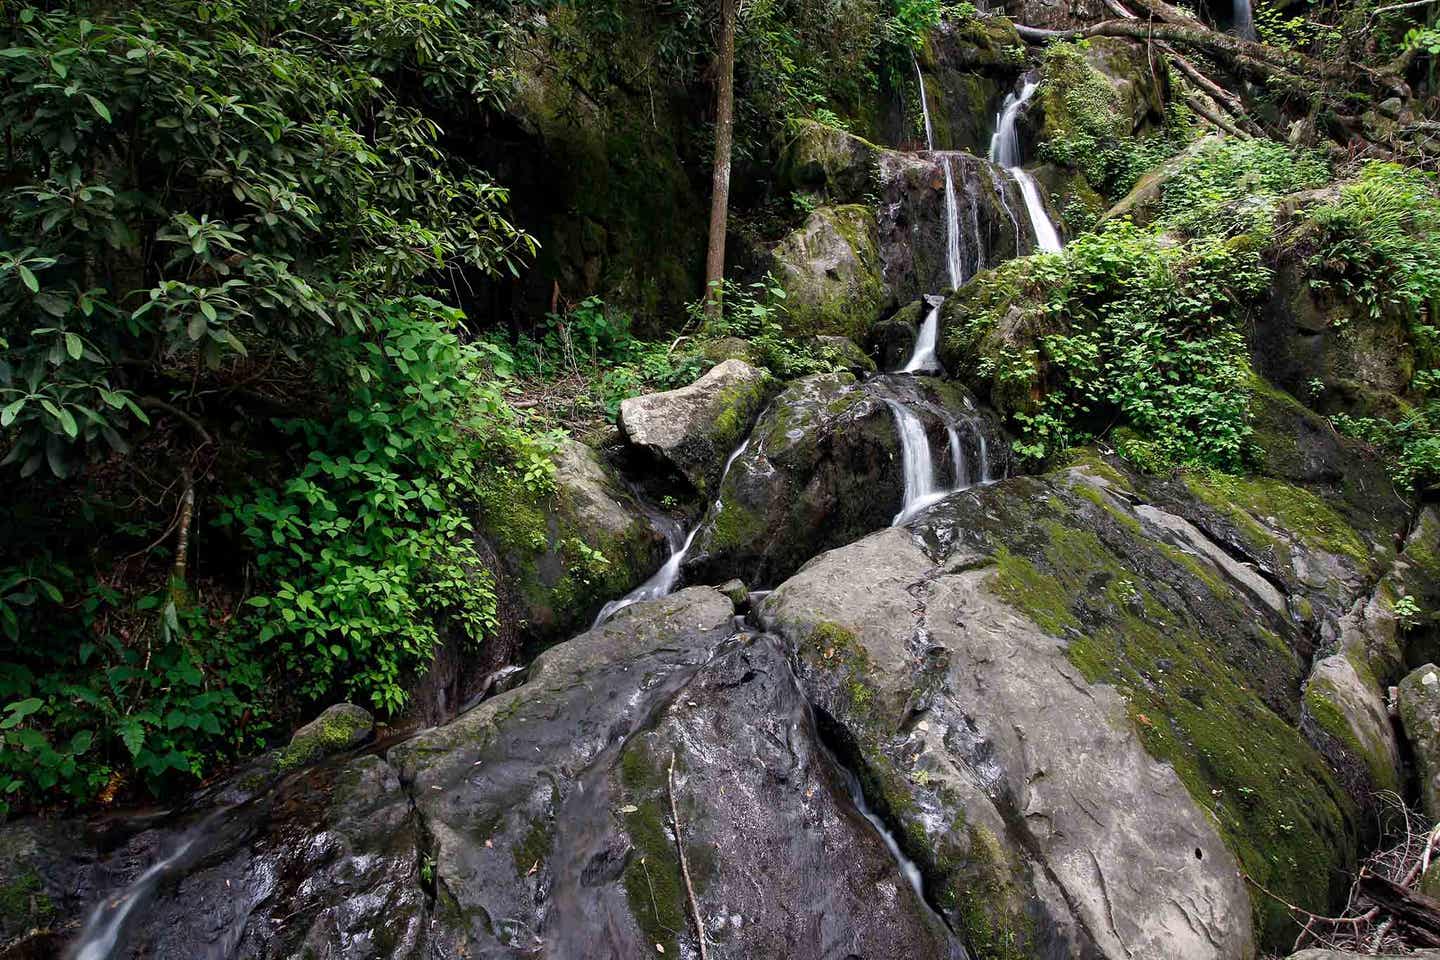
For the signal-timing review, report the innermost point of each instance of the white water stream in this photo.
(1005, 151)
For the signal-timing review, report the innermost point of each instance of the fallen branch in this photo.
(1420, 914)
(1215, 120)
(684, 866)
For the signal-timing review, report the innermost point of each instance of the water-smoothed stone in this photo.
(1419, 701)
(549, 807)
(990, 220)
(1064, 687)
(824, 467)
(830, 270)
(691, 431)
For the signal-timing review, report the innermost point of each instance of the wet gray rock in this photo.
(1318, 954)
(823, 467)
(690, 431)
(549, 807)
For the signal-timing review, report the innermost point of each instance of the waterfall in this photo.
(923, 357)
(915, 457)
(957, 455)
(1045, 236)
(662, 582)
(952, 228)
(1005, 151)
(1244, 20)
(924, 106)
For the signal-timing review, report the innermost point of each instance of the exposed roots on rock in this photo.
(1384, 912)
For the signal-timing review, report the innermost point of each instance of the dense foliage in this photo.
(221, 227)
(1122, 330)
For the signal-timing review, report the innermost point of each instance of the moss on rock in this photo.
(831, 272)
(340, 727)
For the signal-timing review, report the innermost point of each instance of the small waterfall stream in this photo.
(1005, 151)
(662, 582)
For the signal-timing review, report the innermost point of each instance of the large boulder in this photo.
(689, 432)
(553, 807)
(340, 727)
(1062, 687)
(824, 467)
(830, 271)
(563, 555)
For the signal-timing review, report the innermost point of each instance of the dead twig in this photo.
(684, 866)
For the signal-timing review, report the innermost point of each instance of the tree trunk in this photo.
(720, 184)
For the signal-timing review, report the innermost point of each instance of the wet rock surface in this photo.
(692, 430)
(823, 467)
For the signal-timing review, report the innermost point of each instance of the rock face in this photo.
(830, 271)
(1328, 347)
(913, 221)
(691, 431)
(1420, 713)
(823, 467)
(1061, 687)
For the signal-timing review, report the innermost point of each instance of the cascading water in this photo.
(923, 356)
(1005, 151)
(663, 581)
(102, 928)
(915, 458)
(1244, 25)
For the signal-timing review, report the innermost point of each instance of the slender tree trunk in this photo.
(720, 185)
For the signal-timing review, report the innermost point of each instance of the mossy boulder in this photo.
(689, 432)
(1419, 703)
(340, 727)
(823, 467)
(824, 160)
(831, 273)
(1142, 204)
(568, 551)
(892, 340)
(1189, 640)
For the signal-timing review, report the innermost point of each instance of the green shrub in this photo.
(1125, 330)
(1230, 187)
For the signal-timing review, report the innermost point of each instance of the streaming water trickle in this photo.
(662, 582)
